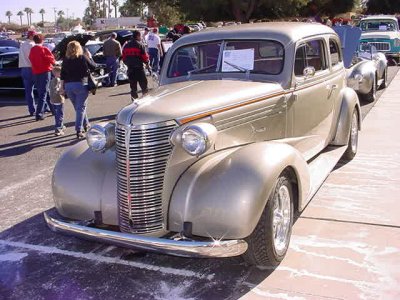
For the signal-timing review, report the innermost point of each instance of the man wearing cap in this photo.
(26, 71)
(112, 51)
(134, 56)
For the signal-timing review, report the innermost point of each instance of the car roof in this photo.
(391, 17)
(284, 32)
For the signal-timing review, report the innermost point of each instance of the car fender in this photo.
(224, 194)
(368, 70)
(348, 104)
(84, 182)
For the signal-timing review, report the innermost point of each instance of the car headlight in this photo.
(397, 42)
(195, 139)
(101, 138)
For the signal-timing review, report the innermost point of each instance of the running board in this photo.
(321, 167)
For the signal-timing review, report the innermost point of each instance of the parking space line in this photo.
(103, 259)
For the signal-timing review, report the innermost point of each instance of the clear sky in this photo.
(74, 8)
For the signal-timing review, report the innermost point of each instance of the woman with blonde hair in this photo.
(74, 77)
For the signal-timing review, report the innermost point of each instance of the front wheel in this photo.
(352, 145)
(371, 95)
(269, 242)
(385, 80)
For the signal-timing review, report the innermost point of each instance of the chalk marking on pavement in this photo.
(104, 259)
(12, 256)
(11, 188)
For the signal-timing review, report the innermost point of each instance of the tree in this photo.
(20, 14)
(8, 15)
(27, 10)
(383, 6)
(60, 14)
(115, 4)
(42, 12)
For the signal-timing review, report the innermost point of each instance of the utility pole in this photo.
(55, 18)
(68, 19)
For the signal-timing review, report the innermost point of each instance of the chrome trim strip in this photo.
(185, 248)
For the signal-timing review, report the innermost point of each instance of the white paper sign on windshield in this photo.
(241, 58)
(383, 27)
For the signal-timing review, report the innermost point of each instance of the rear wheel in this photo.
(268, 243)
(371, 96)
(352, 145)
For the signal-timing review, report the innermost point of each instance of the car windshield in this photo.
(253, 56)
(378, 25)
(94, 48)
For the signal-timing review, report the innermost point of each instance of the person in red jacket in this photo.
(42, 61)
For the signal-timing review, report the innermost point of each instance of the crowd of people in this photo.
(53, 82)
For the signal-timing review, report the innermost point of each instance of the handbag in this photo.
(92, 84)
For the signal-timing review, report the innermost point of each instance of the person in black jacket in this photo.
(134, 56)
(74, 79)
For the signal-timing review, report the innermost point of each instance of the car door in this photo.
(311, 104)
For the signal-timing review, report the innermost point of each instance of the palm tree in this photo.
(8, 15)
(115, 4)
(20, 14)
(60, 15)
(42, 12)
(28, 12)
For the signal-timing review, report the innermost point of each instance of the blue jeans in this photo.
(59, 115)
(78, 93)
(42, 82)
(154, 59)
(112, 67)
(27, 77)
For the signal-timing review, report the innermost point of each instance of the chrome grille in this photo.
(140, 167)
(380, 46)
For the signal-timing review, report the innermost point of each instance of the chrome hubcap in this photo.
(281, 220)
(354, 134)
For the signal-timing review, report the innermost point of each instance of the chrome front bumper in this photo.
(186, 248)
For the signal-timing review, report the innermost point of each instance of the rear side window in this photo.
(334, 50)
(310, 54)
(9, 61)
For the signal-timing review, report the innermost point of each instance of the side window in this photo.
(310, 54)
(336, 55)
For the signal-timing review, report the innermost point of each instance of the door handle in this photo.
(334, 86)
(331, 87)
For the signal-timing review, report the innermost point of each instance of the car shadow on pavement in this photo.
(46, 139)
(53, 265)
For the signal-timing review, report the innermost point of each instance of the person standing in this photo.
(134, 56)
(57, 100)
(26, 71)
(42, 61)
(154, 46)
(112, 51)
(74, 80)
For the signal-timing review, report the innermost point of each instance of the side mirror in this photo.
(309, 72)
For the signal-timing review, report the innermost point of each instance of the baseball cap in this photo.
(31, 33)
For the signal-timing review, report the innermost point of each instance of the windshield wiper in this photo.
(195, 71)
(241, 69)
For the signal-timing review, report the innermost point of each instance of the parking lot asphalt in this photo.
(345, 245)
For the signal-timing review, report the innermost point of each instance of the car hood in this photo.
(349, 38)
(61, 48)
(380, 35)
(194, 99)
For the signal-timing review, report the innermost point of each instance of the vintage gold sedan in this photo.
(245, 126)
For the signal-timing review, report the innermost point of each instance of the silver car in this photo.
(246, 124)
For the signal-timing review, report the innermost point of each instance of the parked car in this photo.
(247, 123)
(366, 67)
(10, 73)
(88, 41)
(383, 32)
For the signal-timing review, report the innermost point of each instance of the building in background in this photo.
(111, 23)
